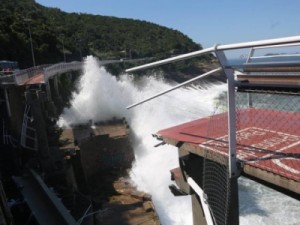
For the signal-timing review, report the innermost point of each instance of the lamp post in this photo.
(79, 42)
(62, 41)
(29, 29)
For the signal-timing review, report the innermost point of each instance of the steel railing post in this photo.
(232, 159)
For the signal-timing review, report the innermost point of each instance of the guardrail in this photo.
(219, 50)
(20, 76)
(48, 70)
(23, 75)
(220, 205)
(7, 79)
(61, 68)
(277, 56)
(278, 42)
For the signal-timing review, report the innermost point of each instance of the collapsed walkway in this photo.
(46, 207)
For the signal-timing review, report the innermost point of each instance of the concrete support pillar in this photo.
(48, 89)
(69, 75)
(79, 174)
(51, 109)
(55, 79)
(7, 102)
(58, 99)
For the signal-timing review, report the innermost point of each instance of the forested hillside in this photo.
(79, 35)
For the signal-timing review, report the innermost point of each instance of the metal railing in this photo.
(231, 83)
(218, 182)
(7, 79)
(271, 43)
(48, 71)
(21, 76)
(61, 68)
(28, 132)
(277, 56)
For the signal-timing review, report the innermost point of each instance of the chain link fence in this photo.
(217, 184)
(268, 138)
(268, 134)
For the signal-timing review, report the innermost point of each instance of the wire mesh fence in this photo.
(268, 138)
(216, 181)
(268, 134)
(216, 186)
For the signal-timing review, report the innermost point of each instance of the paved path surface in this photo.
(268, 142)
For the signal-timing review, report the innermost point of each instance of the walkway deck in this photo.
(268, 152)
(37, 79)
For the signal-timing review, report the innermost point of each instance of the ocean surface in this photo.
(101, 96)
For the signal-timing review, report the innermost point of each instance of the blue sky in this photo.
(207, 22)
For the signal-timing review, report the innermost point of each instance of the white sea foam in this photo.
(101, 96)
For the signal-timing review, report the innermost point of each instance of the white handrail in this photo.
(275, 56)
(61, 68)
(277, 46)
(176, 87)
(268, 42)
(251, 54)
(204, 203)
(172, 59)
(252, 44)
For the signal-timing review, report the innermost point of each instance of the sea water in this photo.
(101, 96)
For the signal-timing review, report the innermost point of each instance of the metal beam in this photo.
(172, 59)
(232, 159)
(176, 87)
(268, 42)
(204, 203)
